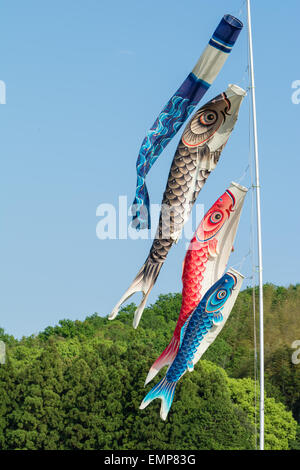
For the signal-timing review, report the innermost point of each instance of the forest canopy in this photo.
(78, 385)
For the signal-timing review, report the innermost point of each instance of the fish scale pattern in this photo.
(199, 325)
(193, 273)
(183, 187)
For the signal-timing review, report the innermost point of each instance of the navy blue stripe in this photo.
(227, 44)
(219, 46)
(199, 80)
(193, 88)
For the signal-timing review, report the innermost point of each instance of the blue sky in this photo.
(85, 80)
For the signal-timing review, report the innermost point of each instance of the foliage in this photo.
(78, 385)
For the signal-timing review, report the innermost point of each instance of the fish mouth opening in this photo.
(233, 21)
(237, 90)
(235, 272)
(239, 186)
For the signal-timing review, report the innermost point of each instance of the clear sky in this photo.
(84, 82)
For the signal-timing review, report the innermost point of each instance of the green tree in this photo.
(78, 385)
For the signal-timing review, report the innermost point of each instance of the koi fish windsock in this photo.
(197, 155)
(207, 319)
(205, 261)
(179, 108)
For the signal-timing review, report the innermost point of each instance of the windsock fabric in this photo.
(179, 108)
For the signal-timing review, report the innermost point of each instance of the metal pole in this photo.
(259, 238)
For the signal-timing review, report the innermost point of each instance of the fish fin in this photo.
(141, 209)
(213, 248)
(217, 318)
(182, 267)
(165, 391)
(139, 311)
(144, 282)
(166, 358)
(205, 161)
(183, 330)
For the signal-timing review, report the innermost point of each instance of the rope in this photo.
(240, 10)
(240, 264)
(243, 175)
(246, 83)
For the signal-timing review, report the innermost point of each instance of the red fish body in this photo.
(192, 276)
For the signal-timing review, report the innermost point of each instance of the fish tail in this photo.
(143, 282)
(166, 358)
(165, 391)
(141, 209)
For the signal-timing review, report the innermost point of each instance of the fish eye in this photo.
(207, 118)
(221, 294)
(216, 217)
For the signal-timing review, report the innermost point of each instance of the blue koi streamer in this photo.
(205, 316)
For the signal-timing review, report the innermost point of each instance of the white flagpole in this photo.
(259, 238)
